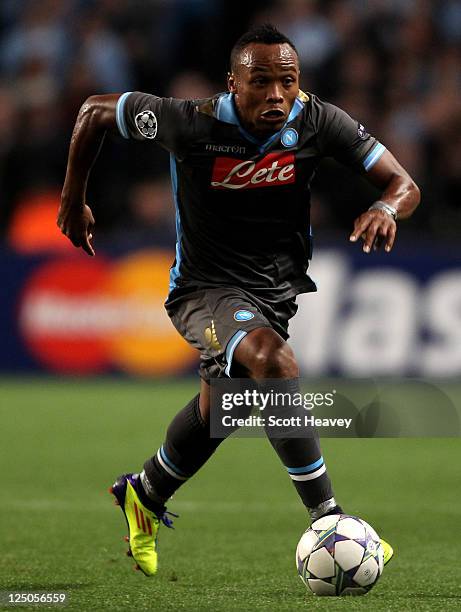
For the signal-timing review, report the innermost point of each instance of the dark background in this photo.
(393, 65)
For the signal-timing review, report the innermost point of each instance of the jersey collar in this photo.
(226, 112)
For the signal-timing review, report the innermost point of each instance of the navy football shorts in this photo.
(215, 320)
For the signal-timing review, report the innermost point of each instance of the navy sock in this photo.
(301, 456)
(186, 448)
(156, 506)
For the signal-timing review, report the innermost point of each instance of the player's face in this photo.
(265, 84)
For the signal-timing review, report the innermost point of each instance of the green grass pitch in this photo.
(63, 442)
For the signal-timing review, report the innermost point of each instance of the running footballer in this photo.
(241, 166)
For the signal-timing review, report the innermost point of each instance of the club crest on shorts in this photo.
(289, 137)
(243, 315)
(146, 122)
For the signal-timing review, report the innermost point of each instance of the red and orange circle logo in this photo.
(85, 316)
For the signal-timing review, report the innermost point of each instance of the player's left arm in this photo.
(399, 198)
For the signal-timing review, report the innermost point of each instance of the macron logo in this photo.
(273, 169)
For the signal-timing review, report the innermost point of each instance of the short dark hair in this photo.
(267, 34)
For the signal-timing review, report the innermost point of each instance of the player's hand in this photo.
(375, 227)
(78, 227)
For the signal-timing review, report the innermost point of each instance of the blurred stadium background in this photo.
(395, 65)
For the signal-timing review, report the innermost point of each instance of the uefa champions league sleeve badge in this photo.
(146, 122)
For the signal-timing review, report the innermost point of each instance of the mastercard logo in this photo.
(89, 316)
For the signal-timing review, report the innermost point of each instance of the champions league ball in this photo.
(339, 555)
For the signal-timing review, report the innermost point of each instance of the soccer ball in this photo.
(339, 555)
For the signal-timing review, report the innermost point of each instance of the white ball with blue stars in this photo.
(340, 555)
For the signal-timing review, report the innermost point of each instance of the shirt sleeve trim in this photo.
(120, 114)
(373, 156)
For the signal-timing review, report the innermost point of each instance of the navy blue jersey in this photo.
(243, 204)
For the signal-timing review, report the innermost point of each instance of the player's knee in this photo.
(274, 362)
(278, 363)
(264, 354)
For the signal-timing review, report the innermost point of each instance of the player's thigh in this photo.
(215, 321)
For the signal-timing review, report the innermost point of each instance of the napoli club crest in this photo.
(289, 137)
(243, 315)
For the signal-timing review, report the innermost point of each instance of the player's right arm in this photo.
(95, 118)
(133, 115)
